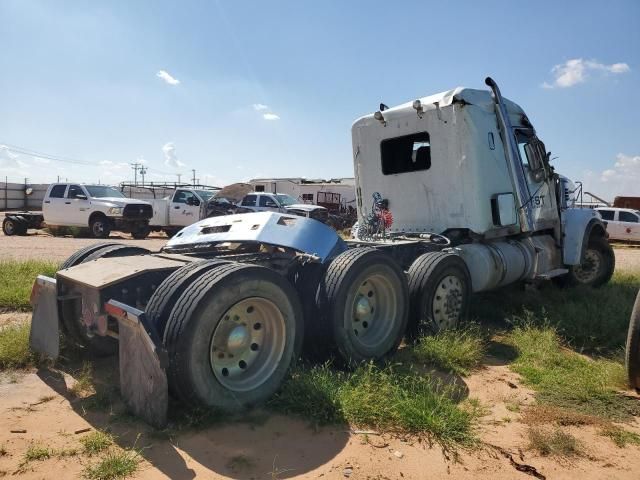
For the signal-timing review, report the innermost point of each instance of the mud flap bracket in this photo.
(143, 362)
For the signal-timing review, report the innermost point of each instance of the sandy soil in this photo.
(274, 446)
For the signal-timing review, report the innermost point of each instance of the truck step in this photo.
(552, 273)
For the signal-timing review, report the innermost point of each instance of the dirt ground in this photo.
(277, 447)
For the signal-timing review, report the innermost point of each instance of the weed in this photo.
(566, 379)
(14, 346)
(379, 398)
(620, 437)
(554, 443)
(37, 452)
(96, 442)
(16, 280)
(115, 465)
(456, 351)
(3, 451)
(84, 381)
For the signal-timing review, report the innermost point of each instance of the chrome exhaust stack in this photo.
(520, 186)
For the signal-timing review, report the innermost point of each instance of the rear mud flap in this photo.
(44, 337)
(143, 362)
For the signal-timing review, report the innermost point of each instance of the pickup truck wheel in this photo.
(166, 295)
(232, 336)
(99, 227)
(141, 233)
(364, 297)
(596, 267)
(632, 351)
(71, 312)
(10, 226)
(439, 288)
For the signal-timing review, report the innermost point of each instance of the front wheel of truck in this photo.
(99, 226)
(596, 267)
(232, 336)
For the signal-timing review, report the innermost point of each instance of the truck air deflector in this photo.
(298, 233)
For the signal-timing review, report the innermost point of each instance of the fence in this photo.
(13, 196)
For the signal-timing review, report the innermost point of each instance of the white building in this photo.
(329, 193)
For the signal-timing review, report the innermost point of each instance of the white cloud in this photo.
(270, 116)
(622, 178)
(105, 162)
(166, 76)
(260, 106)
(577, 70)
(170, 157)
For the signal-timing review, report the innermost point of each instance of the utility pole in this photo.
(193, 180)
(135, 172)
(143, 171)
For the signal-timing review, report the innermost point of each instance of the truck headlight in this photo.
(115, 211)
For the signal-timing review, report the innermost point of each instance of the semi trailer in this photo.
(455, 195)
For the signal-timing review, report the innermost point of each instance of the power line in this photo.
(57, 158)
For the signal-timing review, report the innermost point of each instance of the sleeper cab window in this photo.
(409, 153)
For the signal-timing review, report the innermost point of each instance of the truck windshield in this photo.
(286, 200)
(99, 191)
(205, 194)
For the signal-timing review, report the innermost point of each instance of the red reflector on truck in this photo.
(114, 311)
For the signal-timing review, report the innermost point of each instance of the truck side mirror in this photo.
(80, 196)
(503, 209)
(193, 202)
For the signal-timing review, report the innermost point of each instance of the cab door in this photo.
(629, 224)
(267, 203)
(613, 226)
(53, 204)
(542, 198)
(184, 208)
(77, 206)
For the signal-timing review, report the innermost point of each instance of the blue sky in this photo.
(271, 88)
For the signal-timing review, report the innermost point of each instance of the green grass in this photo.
(14, 346)
(566, 379)
(16, 280)
(115, 465)
(455, 351)
(554, 443)
(96, 442)
(378, 398)
(37, 452)
(590, 320)
(621, 437)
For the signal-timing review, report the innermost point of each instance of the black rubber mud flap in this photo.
(143, 362)
(44, 337)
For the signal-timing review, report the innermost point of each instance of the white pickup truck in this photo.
(622, 223)
(99, 207)
(283, 203)
(184, 207)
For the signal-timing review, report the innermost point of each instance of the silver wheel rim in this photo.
(373, 312)
(9, 227)
(248, 344)
(590, 267)
(447, 302)
(98, 228)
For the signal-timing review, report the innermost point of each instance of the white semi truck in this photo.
(455, 195)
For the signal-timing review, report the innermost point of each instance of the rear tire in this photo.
(439, 288)
(632, 351)
(232, 336)
(166, 295)
(364, 298)
(71, 312)
(596, 268)
(99, 227)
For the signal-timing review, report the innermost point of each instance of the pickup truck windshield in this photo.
(98, 191)
(205, 194)
(286, 200)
